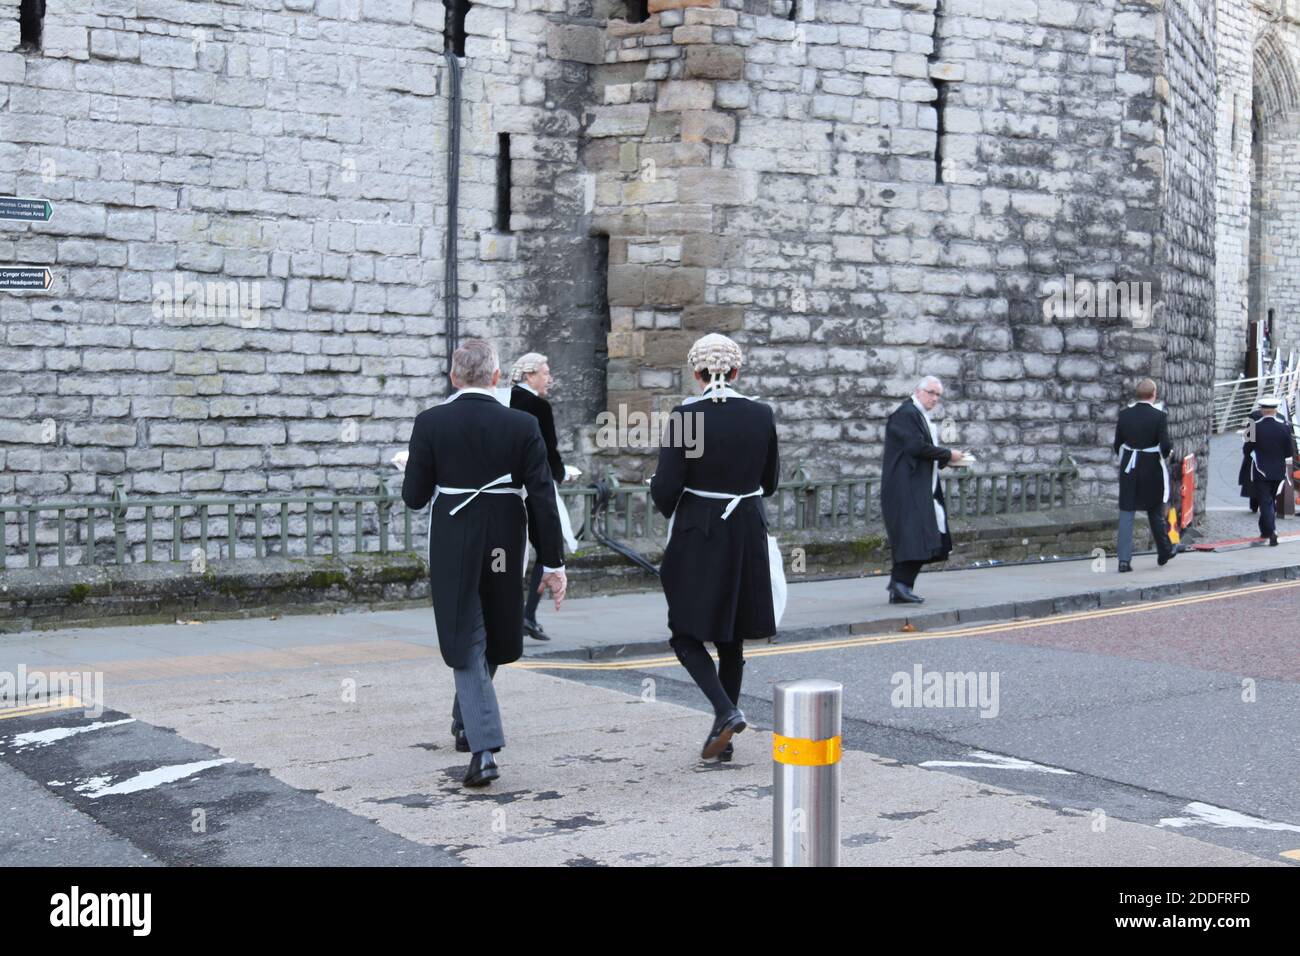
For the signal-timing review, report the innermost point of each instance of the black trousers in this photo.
(905, 572)
(1266, 495)
(721, 685)
(534, 598)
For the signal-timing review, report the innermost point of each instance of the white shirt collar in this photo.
(471, 390)
(726, 391)
(527, 388)
(917, 403)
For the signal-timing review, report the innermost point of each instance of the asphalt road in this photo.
(1157, 734)
(1151, 712)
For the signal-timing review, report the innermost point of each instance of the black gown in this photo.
(467, 443)
(1143, 488)
(716, 573)
(908, 491)
(524, 400)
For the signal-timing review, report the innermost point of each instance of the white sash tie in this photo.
(776, 567)
(1254, 463)
(491, 488)
(732, 500)
(1153, 450)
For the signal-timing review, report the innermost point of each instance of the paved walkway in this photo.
(637, 623)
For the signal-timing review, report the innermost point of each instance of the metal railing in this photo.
(829, 504)
(251, 526)
(128, 530)
(1234, 400)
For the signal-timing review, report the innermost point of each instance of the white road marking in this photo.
(43, 738)
(996, 762)
(1208, 815)
(97, 787)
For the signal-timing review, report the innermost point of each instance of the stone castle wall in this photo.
(1258, 62)
(860, 192)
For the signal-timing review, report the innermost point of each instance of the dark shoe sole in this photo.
(719, 744)
(727, 754)
(483, 779)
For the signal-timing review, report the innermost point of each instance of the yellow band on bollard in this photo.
(805, 753)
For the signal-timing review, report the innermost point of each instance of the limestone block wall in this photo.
(889, 189)
(1258, 62)
(251, 211)
(1238, 25)
(1276, 259)
(1187, 113)
(250, 217)
(245, 244)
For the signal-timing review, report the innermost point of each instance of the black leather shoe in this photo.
(724, 728)
(462, 742)
(482, 770)
(1163, 559)
(902, 594)
(1272, 541)
(1125, 567)
(534, 630)
(727, 754)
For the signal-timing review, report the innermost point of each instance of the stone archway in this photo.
(1274, 261)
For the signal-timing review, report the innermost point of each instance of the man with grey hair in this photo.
(474, 458)
(532, 381)
(1142, 445)
(911, 495)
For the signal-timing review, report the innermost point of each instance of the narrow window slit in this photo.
(31, 17)
(454, 13)
(503, 182)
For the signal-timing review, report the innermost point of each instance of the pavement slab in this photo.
(594, 776)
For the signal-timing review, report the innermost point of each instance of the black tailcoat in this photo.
(1142, 426)
(476, 556)
(906, 497)
(716, 574)
(540, 409)
(1272, 446)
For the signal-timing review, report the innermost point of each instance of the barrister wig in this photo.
(526, 365)
(717, 355)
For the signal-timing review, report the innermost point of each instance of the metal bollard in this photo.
(806, 773)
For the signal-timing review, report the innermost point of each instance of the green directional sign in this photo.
(25, 210)
(17, 278)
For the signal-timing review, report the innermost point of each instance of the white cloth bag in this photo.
(779, 589)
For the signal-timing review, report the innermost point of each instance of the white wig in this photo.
(717, 355)
(526, 365)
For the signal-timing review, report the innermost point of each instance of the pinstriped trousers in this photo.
(475, 706)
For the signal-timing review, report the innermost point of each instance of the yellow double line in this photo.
(641, 663)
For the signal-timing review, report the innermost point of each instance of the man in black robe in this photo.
(531, 381)
(718, 458)
(1270, 443)
(1142, 443)
(911, 495)
(474, 457)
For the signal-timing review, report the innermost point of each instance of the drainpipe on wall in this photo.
(450, 278)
